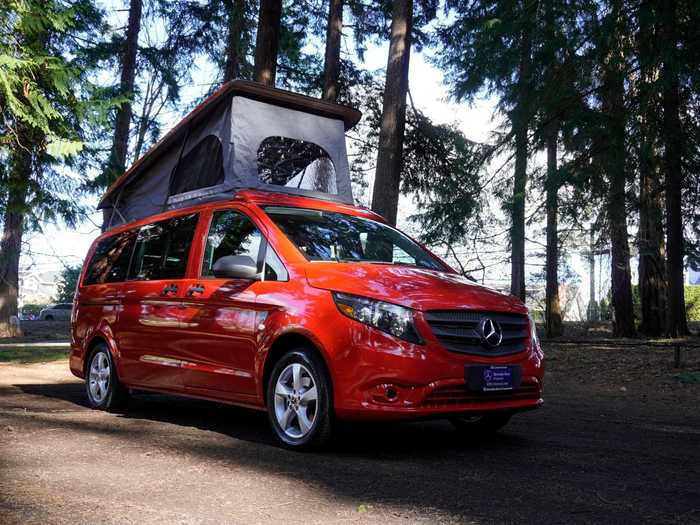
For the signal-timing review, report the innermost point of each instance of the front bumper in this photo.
(382, 377)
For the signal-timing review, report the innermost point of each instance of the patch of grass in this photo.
(32, 355)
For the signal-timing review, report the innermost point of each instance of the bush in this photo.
(692, 301)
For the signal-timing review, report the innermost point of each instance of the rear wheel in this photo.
(48, 318)
(104, 391)
(482, 424)
(299, 400)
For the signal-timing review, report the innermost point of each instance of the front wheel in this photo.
(480, 425)
(104, 391)
(299, 400)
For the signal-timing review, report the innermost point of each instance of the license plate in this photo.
(492, 378)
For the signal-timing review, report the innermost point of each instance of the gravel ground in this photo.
(618, 441)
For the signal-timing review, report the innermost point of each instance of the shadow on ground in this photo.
(573, 461)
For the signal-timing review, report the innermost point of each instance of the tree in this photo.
(47, 104)
(652, 279)
(67, 284)
(614, 159)
(235, 43)
(267, 41)
(385, 196)
(676, 324)
(120, 143)
(331, 68)
(495, 55)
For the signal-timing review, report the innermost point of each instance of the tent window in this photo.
(201, 167)
(293, 163)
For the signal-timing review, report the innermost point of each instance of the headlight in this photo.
(533, 330)
(390, 318)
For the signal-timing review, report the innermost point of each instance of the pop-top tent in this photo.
(243, 136)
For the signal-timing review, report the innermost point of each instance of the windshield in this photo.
(329, 236)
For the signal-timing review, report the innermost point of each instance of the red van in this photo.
(292, 301)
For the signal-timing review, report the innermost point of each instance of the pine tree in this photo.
(331, 67)
(120, 143)
(267, 41)
(47, 106)
(385, 197)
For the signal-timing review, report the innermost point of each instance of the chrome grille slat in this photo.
(458, 331)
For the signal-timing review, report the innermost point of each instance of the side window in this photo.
(201, 167)
(274, 269)
(110, 262)
(162, 249)
(230, 233)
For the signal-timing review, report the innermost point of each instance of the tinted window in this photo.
(297, 164)
(230, 233)
(162, 249)
(201, 167)
(330, 236)
(64, 306)
(110, 262)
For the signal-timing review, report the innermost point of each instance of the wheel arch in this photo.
(96, 339)
(280, 346)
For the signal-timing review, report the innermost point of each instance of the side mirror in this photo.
(236, 267)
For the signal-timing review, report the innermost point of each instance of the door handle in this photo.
(197, 288)
(169, 289)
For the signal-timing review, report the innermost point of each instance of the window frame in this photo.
(205, 223)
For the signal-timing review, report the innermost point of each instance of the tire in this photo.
(48, 318)
(481, 425)
(102, 386)
(298, 420)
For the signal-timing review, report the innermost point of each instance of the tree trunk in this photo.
(676, 322)
(331, 68)
(652, 279)
(235, 11)
(385, 196)
(120, 144)
(613, 106)
(521, 122)
(267, 41)
(592, 303)
(553, 325)
(11, 242)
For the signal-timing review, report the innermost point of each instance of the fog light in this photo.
(390, 393)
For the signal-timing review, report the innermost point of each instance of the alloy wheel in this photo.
(296, 400)
(99, 377)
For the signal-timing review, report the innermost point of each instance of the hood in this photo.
(412, 287)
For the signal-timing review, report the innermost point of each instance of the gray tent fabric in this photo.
(244, 125)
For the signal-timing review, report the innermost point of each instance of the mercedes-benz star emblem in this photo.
(491, 332)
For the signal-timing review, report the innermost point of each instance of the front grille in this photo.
(458, 331)
(450, 395)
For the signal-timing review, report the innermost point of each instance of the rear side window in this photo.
(230, 233)
(110, 262)
(162, 249)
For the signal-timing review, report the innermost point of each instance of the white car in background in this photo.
(56, 312)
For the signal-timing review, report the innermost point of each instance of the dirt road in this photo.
(623, 447)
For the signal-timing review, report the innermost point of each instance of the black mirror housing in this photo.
(236, 267)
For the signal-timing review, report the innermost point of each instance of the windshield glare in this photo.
(330, 236)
